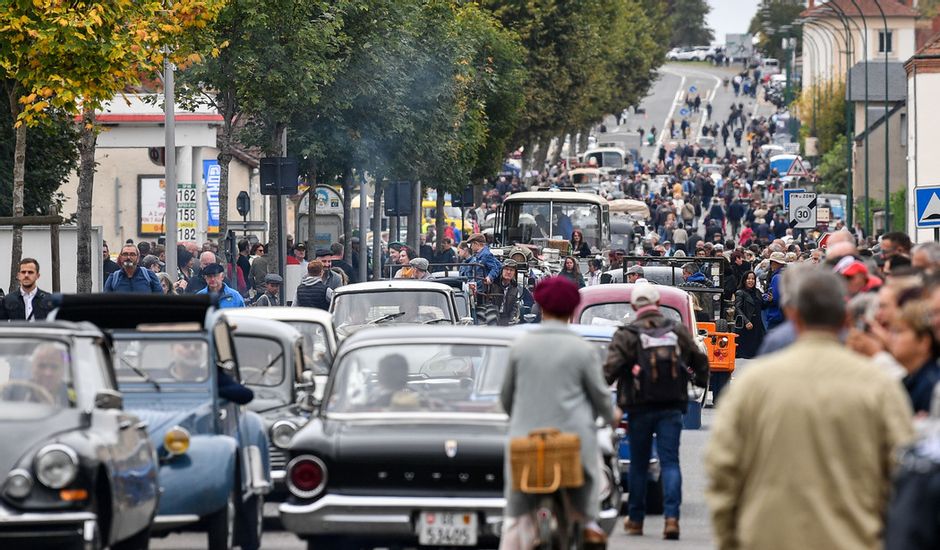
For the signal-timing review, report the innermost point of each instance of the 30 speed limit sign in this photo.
(803, 210)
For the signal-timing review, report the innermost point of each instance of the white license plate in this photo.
(447, 529)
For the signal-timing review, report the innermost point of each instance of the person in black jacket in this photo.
(313, 291)
(29, 303)
(748, 324)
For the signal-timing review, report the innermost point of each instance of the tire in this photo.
(220, 526)
(721, 325)
(654, 497)
(325, 543)
(140, 541)
(250, 526)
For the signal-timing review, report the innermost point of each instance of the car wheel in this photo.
(721, 325)
(654, 497)
(140, 541)
(220, 526)
(251, 523)
(326, 543)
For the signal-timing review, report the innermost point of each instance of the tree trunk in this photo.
(556, 155)
(585, 139)
(439, 220)
(225, 160)
(86, 183)
(274, 230)
(541, 154)
(376, 231)
(415, 220)
(19, 177)
(347, 213)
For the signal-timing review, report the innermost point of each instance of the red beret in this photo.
(557, 295)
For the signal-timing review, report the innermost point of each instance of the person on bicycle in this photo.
(553, 381)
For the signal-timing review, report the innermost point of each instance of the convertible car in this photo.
(407, 446)
(78, 471)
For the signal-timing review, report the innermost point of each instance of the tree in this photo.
(73, 57)
(689, 26)
(774, 21)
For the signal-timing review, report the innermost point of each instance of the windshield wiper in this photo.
(437, 320)
(267, 367)
(384, 318)
(141, 373)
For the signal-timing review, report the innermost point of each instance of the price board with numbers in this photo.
(186, 211)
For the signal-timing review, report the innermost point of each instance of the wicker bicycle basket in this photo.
(546, 460)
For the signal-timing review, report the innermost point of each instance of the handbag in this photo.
(545, 460)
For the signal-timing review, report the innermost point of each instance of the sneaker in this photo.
(633, 528)
(671, 529)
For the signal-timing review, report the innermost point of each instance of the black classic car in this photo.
(78, 471)
(408, 444)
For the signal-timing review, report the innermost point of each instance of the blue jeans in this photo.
(667, 425)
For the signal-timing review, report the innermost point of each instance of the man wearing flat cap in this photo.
(634, 272)
(272, 292)
(215, 283)
(332, 280)
(420, 266)
(485, 266)
(506, 294)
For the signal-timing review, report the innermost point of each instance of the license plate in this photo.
(447, 529)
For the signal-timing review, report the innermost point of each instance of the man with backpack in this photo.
(652, 360)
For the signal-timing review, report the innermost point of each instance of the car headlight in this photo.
(281, 433)
(176, 441)
(56, 466)
(18, 484)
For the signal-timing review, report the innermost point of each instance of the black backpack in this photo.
(661, 376)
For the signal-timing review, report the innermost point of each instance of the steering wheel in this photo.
(35, 391)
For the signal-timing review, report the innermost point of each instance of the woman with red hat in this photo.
(554, 381)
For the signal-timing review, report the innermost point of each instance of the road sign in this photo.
(186, 211)
(692, 89)
(797, 169)
(927, 201)
(803, 210)
(786, 196)
(684, 112)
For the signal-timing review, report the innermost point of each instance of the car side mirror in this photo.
(307, 381)
(306, 401)
(109, 399)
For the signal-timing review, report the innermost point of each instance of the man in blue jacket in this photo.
(778, 261)
(215, 283)
(491, 267)
(131, 277)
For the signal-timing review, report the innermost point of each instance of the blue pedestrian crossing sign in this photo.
(927, 202)
(692, 89)
(683, 112)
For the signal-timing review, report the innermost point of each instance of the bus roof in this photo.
(556, 196)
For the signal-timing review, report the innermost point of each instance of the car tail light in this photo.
(306, 476)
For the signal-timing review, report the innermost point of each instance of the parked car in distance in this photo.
(170, 353)
(436, 388)
(396, 301)
(78, 471)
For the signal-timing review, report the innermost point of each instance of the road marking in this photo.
(672, 110)
(711, 98)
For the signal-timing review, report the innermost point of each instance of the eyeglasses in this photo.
(48, 366)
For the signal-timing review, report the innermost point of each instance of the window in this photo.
(885, 41)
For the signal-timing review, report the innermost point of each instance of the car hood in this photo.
(160, 416)
(364, 438)
(27, 427)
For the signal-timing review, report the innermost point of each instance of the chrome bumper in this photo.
(385, 516)
(72, 525)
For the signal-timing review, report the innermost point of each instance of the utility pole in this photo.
(170, 217)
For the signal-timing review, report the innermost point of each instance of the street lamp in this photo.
(884, 20)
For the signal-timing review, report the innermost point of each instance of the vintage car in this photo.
(170, 353)
(610, 305)
(408, 444)
(78, 471)
(394, 302)
(272, 363)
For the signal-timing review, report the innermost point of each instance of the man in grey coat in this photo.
(554, 381)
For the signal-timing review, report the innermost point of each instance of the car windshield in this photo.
(161, 361)
(355, 309)
(260, 360)
(316, 348)
(537, 222)
(35, 371)
(419, 378)
(614, 313)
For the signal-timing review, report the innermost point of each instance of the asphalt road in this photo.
(665, 101)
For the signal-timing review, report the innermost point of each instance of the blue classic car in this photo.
(76, 470)
(172, 353)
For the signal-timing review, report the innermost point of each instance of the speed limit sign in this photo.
(803, 210)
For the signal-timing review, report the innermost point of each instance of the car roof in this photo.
(257, 326)
(585, 331)
(438, 333)
(393, 284)
(560, 196)
(621, 291)
(281, 313)
(51, 328)
(128, 310)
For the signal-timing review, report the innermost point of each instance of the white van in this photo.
(770, 66)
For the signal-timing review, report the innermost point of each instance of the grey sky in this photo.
(731, 16)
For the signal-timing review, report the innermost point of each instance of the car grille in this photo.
(278, 458)
(419, 477)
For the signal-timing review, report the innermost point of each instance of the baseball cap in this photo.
(644, 294)
(849, 266)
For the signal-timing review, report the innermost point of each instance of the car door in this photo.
(132, 460)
